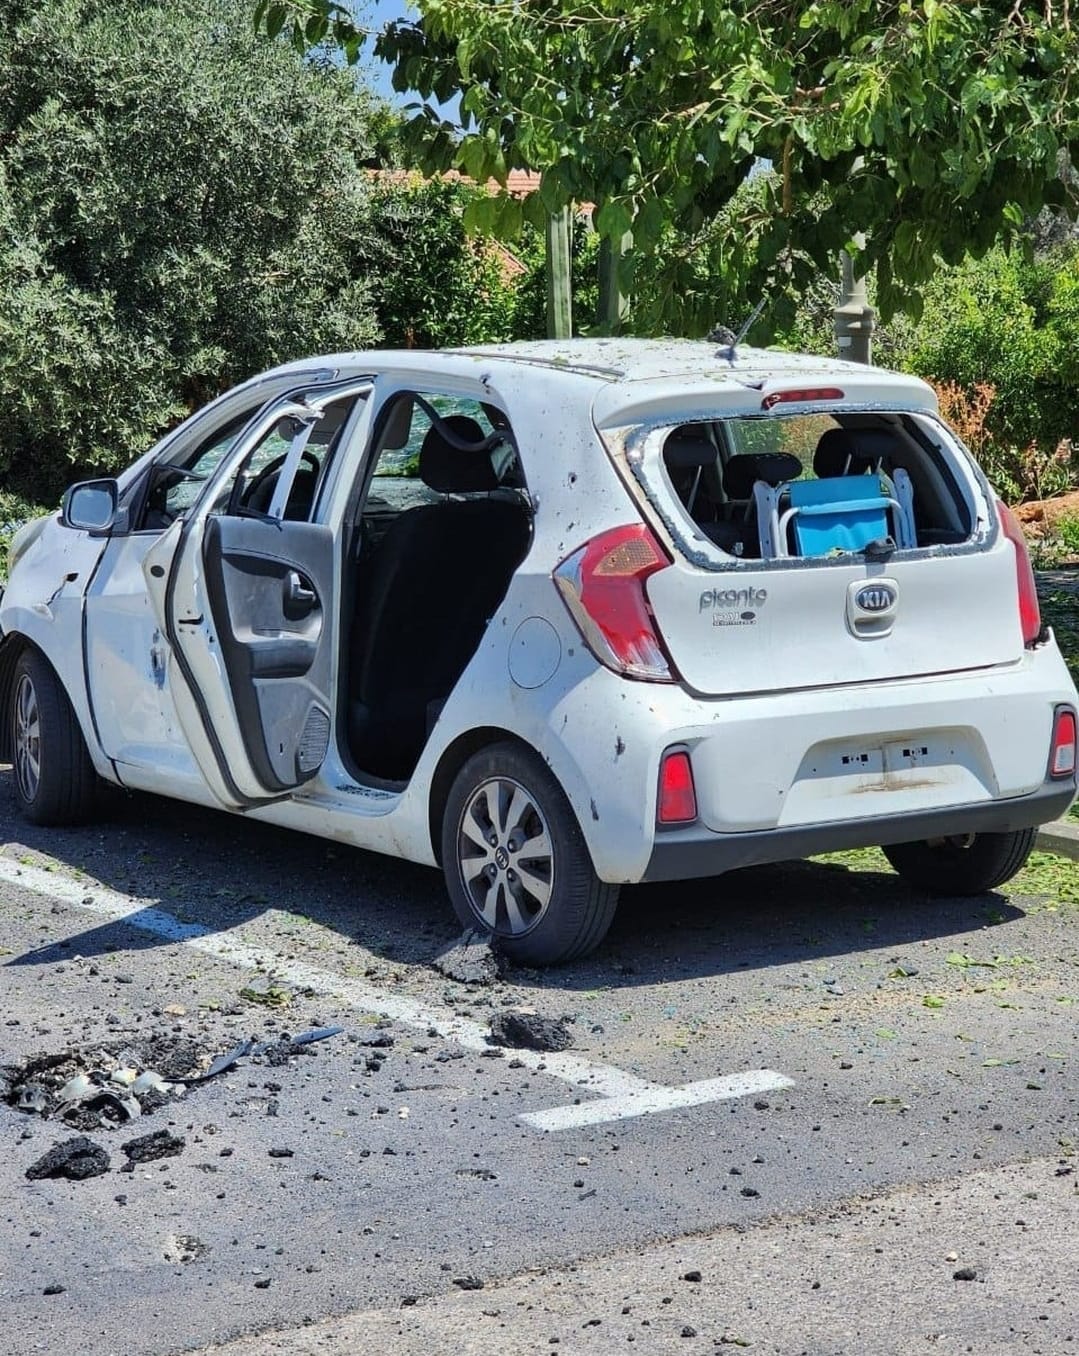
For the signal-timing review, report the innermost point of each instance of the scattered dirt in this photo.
(1039, 515)
(527, 1031)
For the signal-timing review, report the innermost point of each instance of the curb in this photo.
(1062, 836)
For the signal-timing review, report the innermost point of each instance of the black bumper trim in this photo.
(683, 854)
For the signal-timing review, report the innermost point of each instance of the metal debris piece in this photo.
(222, 1063)
(150, 1081)
(32, 1097)
(318, 1033)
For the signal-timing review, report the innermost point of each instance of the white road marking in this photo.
(618, 1094)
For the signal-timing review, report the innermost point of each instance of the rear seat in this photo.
(740, 534)
(852, 503)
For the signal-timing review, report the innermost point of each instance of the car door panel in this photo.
(268, 584)
(245, 601)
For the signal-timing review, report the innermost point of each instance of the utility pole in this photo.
(855, 319)
(559, 276)
(613, 303)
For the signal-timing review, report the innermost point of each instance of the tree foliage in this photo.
(934, 126)
(433, 284)
(178, 200)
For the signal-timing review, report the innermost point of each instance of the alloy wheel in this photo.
(505, 857)
(27, 739)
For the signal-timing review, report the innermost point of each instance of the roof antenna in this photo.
(720, 334)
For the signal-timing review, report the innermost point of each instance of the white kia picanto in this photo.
(557, 617)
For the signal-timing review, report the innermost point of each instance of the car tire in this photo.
(966, 864)
(516, 863)
(52, 776)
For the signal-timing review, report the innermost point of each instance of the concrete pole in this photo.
(855, 319)
(613, 302)
(559, 276)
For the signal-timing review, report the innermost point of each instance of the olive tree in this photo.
(178, 206)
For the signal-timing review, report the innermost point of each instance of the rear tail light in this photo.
(1030, 614)
(677, 803)
(602, 584)
(1062, 749)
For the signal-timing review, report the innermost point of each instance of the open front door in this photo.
(245, 593)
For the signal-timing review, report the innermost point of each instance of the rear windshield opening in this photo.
(818, 485)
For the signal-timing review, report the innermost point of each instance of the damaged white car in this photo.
(556, 617)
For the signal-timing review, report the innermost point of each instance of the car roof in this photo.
(644, 373)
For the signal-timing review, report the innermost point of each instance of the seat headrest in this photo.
(849, 451)
(688, 449)
(457, 470)
(773, 468)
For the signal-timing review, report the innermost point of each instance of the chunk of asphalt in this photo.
(527, 1031)
(468, 1282)
(468, 960)
(159, 1144)
(75, 1159)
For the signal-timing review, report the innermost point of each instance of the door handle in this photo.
(297, 594)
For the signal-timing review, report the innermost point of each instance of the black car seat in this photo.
(853, 452)
(688, 453)
(740, 535)
(425, 594)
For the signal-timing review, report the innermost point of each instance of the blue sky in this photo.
(374, 14)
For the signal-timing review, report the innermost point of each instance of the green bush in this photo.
(431, 284)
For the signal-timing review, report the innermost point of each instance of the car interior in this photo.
(444, 522)
(815, 485)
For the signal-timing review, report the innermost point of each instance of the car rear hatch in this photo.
(887, 562)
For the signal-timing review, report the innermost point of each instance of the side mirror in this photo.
(90, 506)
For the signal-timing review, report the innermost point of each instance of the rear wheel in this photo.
(53, 777)
(516, 863)
(963, 864)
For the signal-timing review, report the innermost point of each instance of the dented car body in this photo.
(558, 617)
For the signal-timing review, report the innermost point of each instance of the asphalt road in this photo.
(763, 1070)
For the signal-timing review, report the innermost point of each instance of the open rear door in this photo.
(244, 590)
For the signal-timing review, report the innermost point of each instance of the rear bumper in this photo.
(682, 854)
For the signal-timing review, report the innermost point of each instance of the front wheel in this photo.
(516, 863)
(963, 864)
(54, 779)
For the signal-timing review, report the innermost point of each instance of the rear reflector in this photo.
(602, 584)
(1062, 750)
(1030, 614)
(677, 798)
(801, 396)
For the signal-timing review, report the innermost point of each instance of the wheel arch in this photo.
(453, 758)
(11, 647)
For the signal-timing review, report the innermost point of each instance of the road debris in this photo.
(146, 1148)
(528, 1031)
(75, 1159)
(469, 960)
(100, 1088)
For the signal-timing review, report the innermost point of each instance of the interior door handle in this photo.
(297, 594)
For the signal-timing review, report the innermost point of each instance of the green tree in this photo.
(179, 203)
(935, 126)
